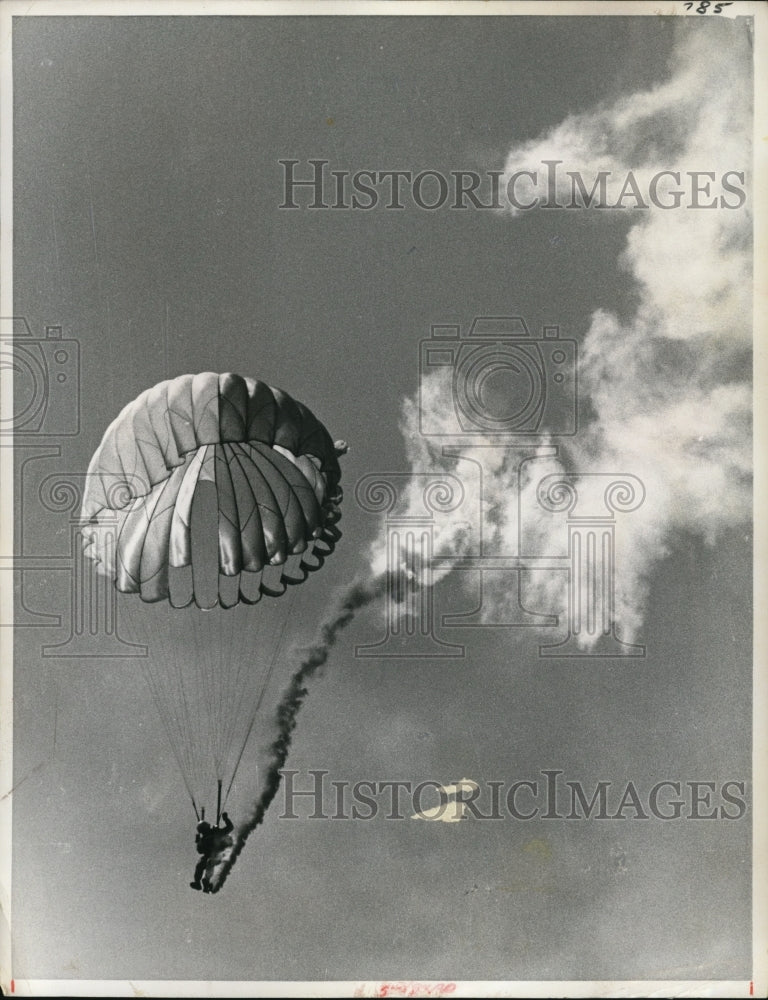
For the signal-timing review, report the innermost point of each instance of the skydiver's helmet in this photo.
(203, 826)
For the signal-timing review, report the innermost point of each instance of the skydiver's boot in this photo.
(195, 885)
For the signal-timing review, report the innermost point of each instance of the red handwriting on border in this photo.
(409, 988)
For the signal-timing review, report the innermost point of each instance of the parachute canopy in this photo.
(252, 469)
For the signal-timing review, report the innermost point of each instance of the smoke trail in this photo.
(359, 595)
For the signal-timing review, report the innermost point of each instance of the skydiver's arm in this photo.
(228, 824)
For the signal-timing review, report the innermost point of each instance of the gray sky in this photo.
(151, 147)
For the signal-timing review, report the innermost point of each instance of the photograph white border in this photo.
(400, 8)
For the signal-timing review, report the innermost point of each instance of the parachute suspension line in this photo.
(167, 675)
(160, 672)
(204, 633)
(214, 688)
(238, 696)
(141, 636)
(224, 697)
(220, 649)
(217, 672)
(208, 680)
(264, 684)
(224, 694)
(205, 636)
(187, 722)
(197, 623)
(198, 675)
(192, 678)
(237, 678)
(171, 666)
(238, 672)
(202, 684)
(160, 702)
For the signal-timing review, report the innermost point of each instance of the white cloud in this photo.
(668, 386)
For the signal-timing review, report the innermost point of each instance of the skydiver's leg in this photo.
(209, 867)
(199, 869)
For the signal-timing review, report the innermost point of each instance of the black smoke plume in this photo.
(358, 596)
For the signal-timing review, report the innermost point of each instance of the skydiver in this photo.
(210, 842)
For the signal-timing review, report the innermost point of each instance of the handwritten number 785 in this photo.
(704, 5)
